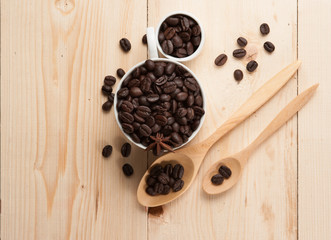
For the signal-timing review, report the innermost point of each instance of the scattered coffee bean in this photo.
(264, 28)
(107, 106)
(221, 59)
(120, 72)
(179, 36)
(126, 149)
(251, 66)
(127, 169)
(144, 39)
(238, 75)
(106, 90)
(225, 171)
(269, 46)
(242, 42)
(125, 44)
(217, 179)
(110, 81)
(107, 150)
(239, 53)
(160, 97)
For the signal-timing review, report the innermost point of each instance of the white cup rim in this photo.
(161, 60)
(197, 51)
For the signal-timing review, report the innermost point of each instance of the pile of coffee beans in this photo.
(223, 173)
(240, 53)
(107, 90)
(160, 97)
(162, 179)
(179, 36)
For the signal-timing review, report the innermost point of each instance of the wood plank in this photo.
(314, 120)
(54, 182)
(264, 203)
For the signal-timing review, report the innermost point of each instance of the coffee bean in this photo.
(191, 84)
(172, 21)
(127, 169)
(135, 92)
(264, 28)
(239, 53)
(149, 64)
(151, 181)
(170, 68)
(198, 100)
(144, 39)
(153, 98)
(120, 72)
(167, 47)
(181, 52)
(127, 106)
(126, 117)
(164, 26)
(176, 138)
(195, 125)
(182, 96)
(163, 178)
(161, 37)
(189, 48)
(269, 46)
(127, 128)
(196, 30)
(107, 150)
(169, 87)
(251, 66)
(196, 41)
(181, 112)
(221, 59)
(165, 98)
(156, 170)
(166, 189)
(126, 149)
(217, 179)
(238, 74)
(185, 24)
(161, 80)
(171, 182)
(107, 106)
(158, 70)
(125, 44)
(169, 33)
(185, 36)
(122, 93)
(111, 98)
(161, 120)
(225, 171)
(109, 81)
(177, 41)
(158, 188)
(138, 118)
(145, 130)
(150, 191)
(106, 90)
(178, 185)
(168, 170)
(143, 111)
(242, 42)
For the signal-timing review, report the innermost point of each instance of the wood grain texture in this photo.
(314, 122)
(263, 204)
(55, 183)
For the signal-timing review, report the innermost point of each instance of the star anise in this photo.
(159, 143)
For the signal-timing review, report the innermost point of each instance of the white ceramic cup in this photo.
(154, 56)
(154, 39)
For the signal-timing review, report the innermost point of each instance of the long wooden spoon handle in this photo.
(260, 97)
(285, 114)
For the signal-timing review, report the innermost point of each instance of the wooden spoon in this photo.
(237, 162)
(191, 157)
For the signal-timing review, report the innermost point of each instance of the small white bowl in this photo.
(161, 60)
(197, 51)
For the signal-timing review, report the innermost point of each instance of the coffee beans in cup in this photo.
(160, 102)
(179, 36)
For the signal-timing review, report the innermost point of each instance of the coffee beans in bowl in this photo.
(180, 36)
(159, 105)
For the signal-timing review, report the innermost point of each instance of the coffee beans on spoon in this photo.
(223, 173)
(160, 100)
(179, 36)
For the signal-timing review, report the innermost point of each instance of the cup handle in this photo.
(151, 43)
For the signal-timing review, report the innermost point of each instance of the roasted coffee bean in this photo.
(144, 39)
(177, 41)
(145, 85)
(190, 114)
(269, 46)
(175, 127)
(185, 36)
(143, 111)
(181, 112)
(135, 92)
(158, 188)
(217, 179)
(120, 72)
(161, 37)
(151, 181)
(174, 93)
(182, 96)
(171, 120)
(169, 33)
(166, 105)
(238, 74)
(138, 118)
(107, 150)
(170, 68)
(126, 117)
(171, 182)
(125, 44)
(225, 171)
(191, 84)
(172, 21)
(221, 59)
(111, 98)
(136, 125)
(135, 137)
(176, 138)
(123, 92)
(189, 48)
(190, 100)
(161, 80)
(127, 128)
(143, 101)
(166, 189)
(156, 170)
(199, 111)
(163, 178)
(156, 128)
(134, 83)
(196, 41)
(145, 130)
(165, 98)
(182, 121)
(185, 24)
(161, 120)
(264, 28)
(178, 185)
(152, 98)
(169, 87)
(106, 90)
(179, 82)
(107, 106)
(150, 191)
(127, 106)
(158, 70)
(127, 169)
(149, 64)
(164, 26)
(242, 42)
(181, 52)
(167, 47)
(126, 149)
(172, 77)
(109, 81)
(195, 125)
(135, 102)
(136, 72)
(251, 66)
(198, 100)
(196, 31)
(239, 53)
(168, 170)
(167, 130)
(150, 121)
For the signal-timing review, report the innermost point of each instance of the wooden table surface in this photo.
(55, 184)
